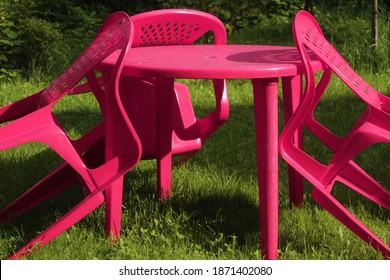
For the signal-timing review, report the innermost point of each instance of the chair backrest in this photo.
(370, 128)
(175, 27)
(307, 33)
(113, 35)
(181, 27)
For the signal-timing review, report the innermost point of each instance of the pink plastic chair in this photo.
(169, 27)
(32, 121)
(372, 127)
(191, 130)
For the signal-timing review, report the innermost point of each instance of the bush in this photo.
(10, 45)
(349, 29)
(236, 15)
(39, 38)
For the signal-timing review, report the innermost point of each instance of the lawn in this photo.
(213, 211)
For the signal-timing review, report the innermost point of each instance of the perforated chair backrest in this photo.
(307, 32)
(175, 27)
(113, 35)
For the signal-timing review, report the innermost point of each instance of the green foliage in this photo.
(353, 5)
(33, 32)
(40, 38)
(9, 45)
(283, 10)
(40, 46)
(349, 29)
(236, 15)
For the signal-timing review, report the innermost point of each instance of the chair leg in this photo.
(164, 176)
(58, 180)
(292, 88)
(184, 158)
(358, 180)
(335, 208)
(165, 96)
(81, 210)
(113, 196)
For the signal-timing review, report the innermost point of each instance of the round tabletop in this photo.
(211, 62)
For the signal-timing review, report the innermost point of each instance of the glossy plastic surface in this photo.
(173, 27)
(31, 120)
(372, 127)
(264, 65)
(166, 28)
(213, 62)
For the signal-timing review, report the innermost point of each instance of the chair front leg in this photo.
(164, 96)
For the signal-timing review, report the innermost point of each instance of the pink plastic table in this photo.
(263, 65)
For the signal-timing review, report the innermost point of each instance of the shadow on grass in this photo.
(18, 177)
(230, 150)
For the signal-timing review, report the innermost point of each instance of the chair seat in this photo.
(140, 105)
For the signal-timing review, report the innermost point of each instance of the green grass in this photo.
(213, 212)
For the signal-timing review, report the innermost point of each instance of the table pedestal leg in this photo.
(266, 121)
(292, 94)
(164, 97)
